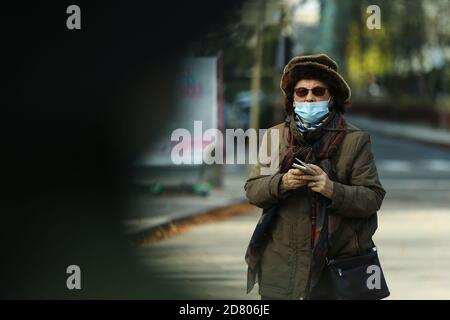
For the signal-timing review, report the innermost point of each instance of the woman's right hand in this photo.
(291, 180)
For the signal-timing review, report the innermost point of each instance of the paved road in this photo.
(414, 230)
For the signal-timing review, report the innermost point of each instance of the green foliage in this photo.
(397, 50)
(367, 56)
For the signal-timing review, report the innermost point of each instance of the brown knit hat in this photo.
(318, 63)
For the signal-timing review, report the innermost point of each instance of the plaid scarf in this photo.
(305, 127)
(314, 146)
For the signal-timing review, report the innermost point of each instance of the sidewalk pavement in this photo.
(412, 245)
(151, 211)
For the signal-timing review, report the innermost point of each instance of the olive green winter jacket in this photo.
(357, 196)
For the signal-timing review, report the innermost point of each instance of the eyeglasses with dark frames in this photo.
(317, 91)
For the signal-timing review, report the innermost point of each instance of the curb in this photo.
(179, 225)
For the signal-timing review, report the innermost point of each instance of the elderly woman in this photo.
(328, 213)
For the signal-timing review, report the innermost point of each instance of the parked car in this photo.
(242, 108)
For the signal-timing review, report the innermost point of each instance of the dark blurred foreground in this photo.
(80, 105)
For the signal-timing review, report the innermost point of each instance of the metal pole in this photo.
(257, 68)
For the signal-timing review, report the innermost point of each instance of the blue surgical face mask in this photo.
(311, 112)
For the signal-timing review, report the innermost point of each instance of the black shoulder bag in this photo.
(359, 277)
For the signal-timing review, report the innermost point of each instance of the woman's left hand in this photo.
(320, 182)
